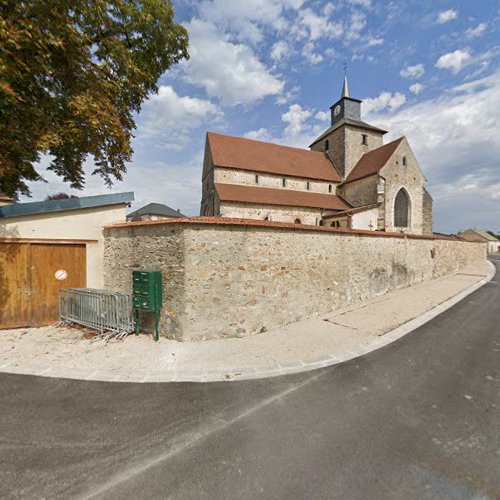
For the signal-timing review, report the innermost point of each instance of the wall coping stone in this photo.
(226, 221)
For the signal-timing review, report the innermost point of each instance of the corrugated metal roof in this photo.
(40, 207)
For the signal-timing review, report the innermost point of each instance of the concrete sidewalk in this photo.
(309, 344)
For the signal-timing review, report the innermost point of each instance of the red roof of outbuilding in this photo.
(248, 154)
(373, 161)
(283, 197)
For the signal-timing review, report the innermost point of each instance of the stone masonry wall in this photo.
(354, 147)
(310, 216)
(346, 146)
(157, 247)
(410, 177)
(360, 192)
(427, 217)
(247, 178)
(230, 279)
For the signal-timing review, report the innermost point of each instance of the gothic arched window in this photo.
(402, 209)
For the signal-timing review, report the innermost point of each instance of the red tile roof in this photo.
(282, 197)
(373, 161)
(258, 156)
(226, 221)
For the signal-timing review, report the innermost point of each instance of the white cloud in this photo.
(455, 139)
(296, 117)
(362, 3)
(446, 16)
(356, 25)
(386, 100)
(416, 88)
(167, 117)
(454, 61)
(319, 26)
(262, 134)
(228, 71)
(308, 51)
(329, 9)
(413, 71)
(477, 31)
(280, 51)
(245, 20)
(373, 42)
(322, 116)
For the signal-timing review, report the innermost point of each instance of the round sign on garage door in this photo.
(61, 274)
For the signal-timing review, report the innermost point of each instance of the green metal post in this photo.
(157, 321)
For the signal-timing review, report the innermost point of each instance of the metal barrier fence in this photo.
(101, 310)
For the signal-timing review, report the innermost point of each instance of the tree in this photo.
(72, 75)
(60, 196)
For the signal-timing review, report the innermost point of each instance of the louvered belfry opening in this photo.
(402, 209)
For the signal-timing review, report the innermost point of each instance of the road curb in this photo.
(252, 373)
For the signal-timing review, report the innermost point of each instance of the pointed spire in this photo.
(345, 88)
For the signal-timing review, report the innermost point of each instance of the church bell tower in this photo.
(348, 138)
(346, 106)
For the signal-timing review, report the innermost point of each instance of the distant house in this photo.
(153, 211)
(5, 200)
(479, 235)
(48, 245)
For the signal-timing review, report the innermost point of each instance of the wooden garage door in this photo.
(29, 289)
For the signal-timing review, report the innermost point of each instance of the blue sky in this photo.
(270, 69)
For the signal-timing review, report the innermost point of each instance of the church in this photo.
(348, 178)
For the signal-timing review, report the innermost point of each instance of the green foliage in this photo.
(72, 74)
(497, 236)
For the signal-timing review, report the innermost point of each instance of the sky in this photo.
(271, 69)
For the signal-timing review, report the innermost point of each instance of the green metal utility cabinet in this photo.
(147, 295)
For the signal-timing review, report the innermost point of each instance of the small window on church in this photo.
(404, 161)
(327, 145)
(330, 188)
(283, 182)
(297, 221)
(256, 179)
(308, 185)
(365, 139)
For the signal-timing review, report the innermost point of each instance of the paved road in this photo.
(419, 419)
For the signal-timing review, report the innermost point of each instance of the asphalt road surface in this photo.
(419, 419)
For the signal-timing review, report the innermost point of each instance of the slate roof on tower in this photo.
(373, 161)
(248, 154)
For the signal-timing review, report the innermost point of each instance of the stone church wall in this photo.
(275, 213)
(410, 177)
(427, 216)
(360, 192)
(233, 278)
(346, 146)
(354, 147)
(247, 178)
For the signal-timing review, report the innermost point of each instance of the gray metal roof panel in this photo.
(40, 207)
(155, 209)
